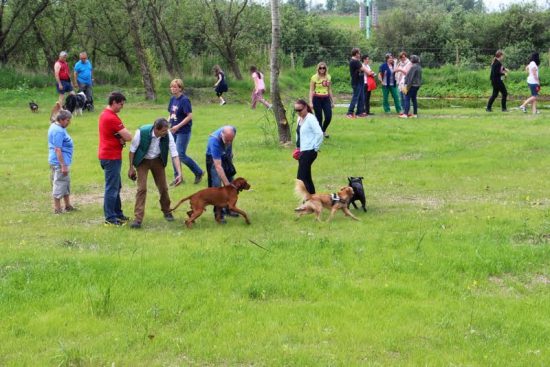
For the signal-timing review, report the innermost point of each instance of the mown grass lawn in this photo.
(450, 265)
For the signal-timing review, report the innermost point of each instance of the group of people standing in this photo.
(498, 75)
(83, 77)
(399, 78)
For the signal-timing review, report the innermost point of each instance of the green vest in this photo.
(145, 137)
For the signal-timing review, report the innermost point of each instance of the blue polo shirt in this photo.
(59, 138)
(83, 72)
(215, 147)
(179, 108)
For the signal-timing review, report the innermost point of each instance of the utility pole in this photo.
(368, 11)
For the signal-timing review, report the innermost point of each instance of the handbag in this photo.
(371, 83)
(296, 153)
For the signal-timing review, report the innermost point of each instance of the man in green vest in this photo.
(149, 152)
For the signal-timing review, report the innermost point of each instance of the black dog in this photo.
(33, 106)
(74, 103)
(358, 192)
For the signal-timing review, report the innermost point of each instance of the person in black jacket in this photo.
(498, 73)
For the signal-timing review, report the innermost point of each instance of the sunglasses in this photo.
(322, 68)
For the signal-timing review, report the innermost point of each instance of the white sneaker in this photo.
(222, 103)
(523, 109)
(403, 116)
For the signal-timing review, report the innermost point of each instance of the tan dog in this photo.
(55, 111)
(316, 202)
(220, 197)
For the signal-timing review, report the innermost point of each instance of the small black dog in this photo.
(358, 192)
(33, 106)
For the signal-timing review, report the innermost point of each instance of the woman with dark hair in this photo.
(370, 83)
(221, 86)
(498, 73)
(533, 82)
(309, 137)
(259, 87)
(320, 96)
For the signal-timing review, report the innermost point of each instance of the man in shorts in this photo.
(62, 77)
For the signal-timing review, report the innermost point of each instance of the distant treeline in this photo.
(188, 37)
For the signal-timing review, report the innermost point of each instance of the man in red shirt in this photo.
(112, 138)
(62, 77)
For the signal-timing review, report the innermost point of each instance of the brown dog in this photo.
(316, 202)
(220, 197)
(55, 111)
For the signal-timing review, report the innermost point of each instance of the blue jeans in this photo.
(411, 96)
(358, 99)
(182, 141)
(112, 206)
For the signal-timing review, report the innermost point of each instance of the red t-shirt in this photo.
(109, 144)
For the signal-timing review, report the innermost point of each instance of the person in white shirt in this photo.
(149, 152)
(533, 82)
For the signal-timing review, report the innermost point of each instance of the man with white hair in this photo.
(62, 77)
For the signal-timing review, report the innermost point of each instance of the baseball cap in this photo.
(63, 53)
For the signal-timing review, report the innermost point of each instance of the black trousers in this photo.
(322, 105)
(367, 100)
(305, 162)
(498, 87)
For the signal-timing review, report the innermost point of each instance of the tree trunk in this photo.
(278, 107)
(148, 82)
(234, 64)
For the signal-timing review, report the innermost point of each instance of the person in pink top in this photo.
(259, 88)
(402, 67)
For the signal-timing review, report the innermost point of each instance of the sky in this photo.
(495, 4)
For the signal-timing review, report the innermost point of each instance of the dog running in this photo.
(316, 202)
(220, 197)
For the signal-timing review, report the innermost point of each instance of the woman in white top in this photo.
(533, 82)
(309, 137)
(402, 67)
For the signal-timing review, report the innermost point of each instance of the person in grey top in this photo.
(413, 81)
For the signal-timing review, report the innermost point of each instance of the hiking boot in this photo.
(123, 219)
(169, 217)
(135, 224)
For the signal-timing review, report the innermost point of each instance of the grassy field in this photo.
(450, 265)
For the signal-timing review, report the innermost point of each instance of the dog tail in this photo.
(55, 111)
(180, 202)
(301, 191)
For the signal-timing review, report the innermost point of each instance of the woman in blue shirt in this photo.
(309, 137)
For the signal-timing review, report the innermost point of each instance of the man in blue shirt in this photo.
(219, 157)
(84, 79)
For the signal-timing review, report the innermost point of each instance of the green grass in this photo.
(450, 265)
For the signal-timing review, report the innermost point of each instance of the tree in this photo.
(132, 8)
(278, 107)
(331, 4)
(163, 39)
(15, 21)
(226, 30)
